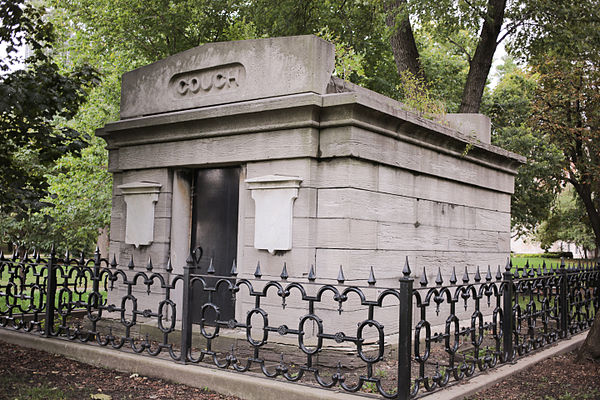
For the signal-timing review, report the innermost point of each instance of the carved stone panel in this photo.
(274, 197)
(140, 198)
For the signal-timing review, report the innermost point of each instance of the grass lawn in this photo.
(518, 261)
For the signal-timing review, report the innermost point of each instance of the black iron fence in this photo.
(395, 341)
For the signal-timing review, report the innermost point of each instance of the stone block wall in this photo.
(378, 182)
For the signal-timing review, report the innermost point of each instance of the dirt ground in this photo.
(556, 378)
(33, 374)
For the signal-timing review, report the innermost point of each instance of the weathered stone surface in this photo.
(226, 72)
(478, 126)
(140, 198)
(274, 197)
(379, 182)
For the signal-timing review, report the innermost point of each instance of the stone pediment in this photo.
(220, 73)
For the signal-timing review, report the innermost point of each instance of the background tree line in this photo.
(434, 56)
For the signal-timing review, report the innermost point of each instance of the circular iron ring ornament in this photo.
(319, 323)
(203, 330)
(124, 321)
(162, 316)
(380, 341)
(263, 314)
(93, 300)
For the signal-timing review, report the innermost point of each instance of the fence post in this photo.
(597, 275)
(96, 280)
(564, 299)
(50, 294)
(507, 312)
(186, 318)
(405, 333)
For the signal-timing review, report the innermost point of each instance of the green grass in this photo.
(30, 280)
(15, 388)
(535, 261)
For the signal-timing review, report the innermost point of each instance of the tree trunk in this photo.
(402, 39)
(481, 63)
(590, 349)
(585, 194)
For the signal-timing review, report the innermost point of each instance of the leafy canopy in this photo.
(32, 100)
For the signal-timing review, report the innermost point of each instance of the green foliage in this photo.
(568, 222)
(153, 29)
(445, 67)
(567, 112)
(538, 182)
(32, 99)
(418, 98)
(80, 199)
(564, 28)
(347, 61)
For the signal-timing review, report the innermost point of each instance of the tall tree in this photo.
(485, 21)
(32, 99)
(567, 112)
(509, 106)
(563, 45)
(568, 222)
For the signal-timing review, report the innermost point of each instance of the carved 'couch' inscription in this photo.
(208, 81)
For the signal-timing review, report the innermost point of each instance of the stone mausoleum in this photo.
(254, 151)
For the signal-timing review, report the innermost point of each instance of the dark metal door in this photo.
(215, 230)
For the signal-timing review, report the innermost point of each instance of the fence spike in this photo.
(438, 279)
(488, 275)
(544, 269)
(341, 278)
(149, 265)
(477, 275)
(284, 274)
(52, 251)
(498, 274)
(169, 265)
(113, 263)
(453, 279)
(211, 267)
(97, 251)
(406, 271)
(2, 255)
(190, 259)
(562, 262)
(423, 281)
(465, 277)
(130, 265)
(257, 272)
(15, 254)
(508, 266)
(371, 281)
(311, 273)
(531, 273)
(233, 271)
(82, 256)
(67, 256)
